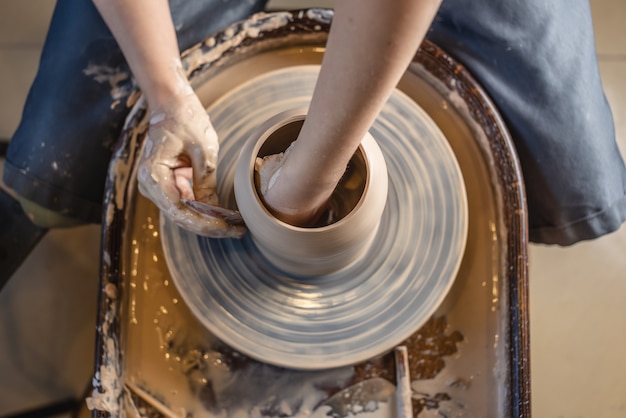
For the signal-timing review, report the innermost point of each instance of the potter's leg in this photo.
(58, 157)
(537, 61)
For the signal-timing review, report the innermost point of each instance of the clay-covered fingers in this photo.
(174, 188)
(179, 161)
(156, 178)
(268, 169)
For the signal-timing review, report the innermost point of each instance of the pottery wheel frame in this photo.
(310, 28)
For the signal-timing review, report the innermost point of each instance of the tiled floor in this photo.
(578, 315)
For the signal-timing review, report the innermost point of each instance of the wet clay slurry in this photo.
(171, 355)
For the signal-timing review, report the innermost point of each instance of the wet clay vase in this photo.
(357, 202)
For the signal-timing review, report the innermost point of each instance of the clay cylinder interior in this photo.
(342, 234)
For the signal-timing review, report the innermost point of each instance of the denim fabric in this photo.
(537, 61)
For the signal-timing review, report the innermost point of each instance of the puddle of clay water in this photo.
(169, 354)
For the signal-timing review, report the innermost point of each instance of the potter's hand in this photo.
(179, 161)
(348, 95)
(295, 203)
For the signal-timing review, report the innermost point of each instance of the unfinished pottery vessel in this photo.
(343, 234)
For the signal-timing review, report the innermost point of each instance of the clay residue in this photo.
(445, 395)
(428, 349)
(118, 188)
(429, 346)
(320, 15)
(232, 37)
(116, 78)
(107, 383)
(228, 383)
(215, 48)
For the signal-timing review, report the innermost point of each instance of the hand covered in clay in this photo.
(288, 195)
(179, 164)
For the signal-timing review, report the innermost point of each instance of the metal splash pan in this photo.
(471, 357)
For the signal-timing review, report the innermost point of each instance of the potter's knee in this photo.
(46, 218)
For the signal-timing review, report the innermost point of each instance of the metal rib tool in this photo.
(232, 217)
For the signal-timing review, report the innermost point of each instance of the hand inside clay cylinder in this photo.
(369, 47)
(300, 202)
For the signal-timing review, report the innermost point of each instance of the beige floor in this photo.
(578, 314)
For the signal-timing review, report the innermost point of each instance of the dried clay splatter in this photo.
(428, 349)
(116, 78)
(228, 383)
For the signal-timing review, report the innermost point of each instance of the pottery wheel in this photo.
(362, 310)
